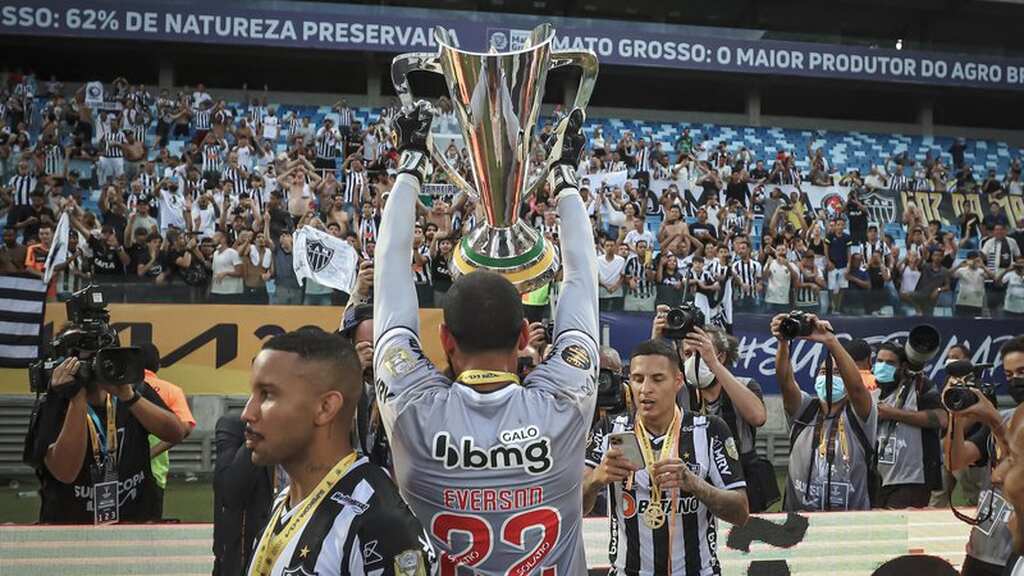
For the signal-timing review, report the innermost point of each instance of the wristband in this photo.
(131, 401)
(414, 162)
(561, 177)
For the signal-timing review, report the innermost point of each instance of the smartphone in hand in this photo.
(629, 445)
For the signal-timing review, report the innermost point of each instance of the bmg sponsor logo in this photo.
(524, 449)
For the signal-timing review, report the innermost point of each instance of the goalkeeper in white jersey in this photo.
(490, 465)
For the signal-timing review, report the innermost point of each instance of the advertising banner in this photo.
(374, 29)
(207, 349)
(758, 346)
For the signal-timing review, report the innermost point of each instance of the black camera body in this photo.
(90, 338)
(681, 320)
(963, 377)
(798, 324)
(611, 391)
(549, 330)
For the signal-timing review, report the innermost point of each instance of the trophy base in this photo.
(518, 253)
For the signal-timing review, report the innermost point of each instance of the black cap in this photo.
(354, 316)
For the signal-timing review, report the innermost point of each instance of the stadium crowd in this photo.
(216, 224)
(212, 223)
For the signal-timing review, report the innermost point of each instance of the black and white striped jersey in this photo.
(421, 274)
(194, 188)
(869, 249)
(149, 182)
(256, 114)
(354, 182)
(111, 144)
(899, 182)
(748, 272)
(327, 142)
(200, 119)
(213, 156)
(691, 545)
(362, 528)
(367, 230)
(551, 230)
(807, 296)
(21, 187)
(643, 159)
(53, 160)
(635, 268)
(237, 177)
(345, 117)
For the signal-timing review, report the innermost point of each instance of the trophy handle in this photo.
(587, 62)
(401, 66)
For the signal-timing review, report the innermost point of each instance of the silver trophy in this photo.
(497, 98)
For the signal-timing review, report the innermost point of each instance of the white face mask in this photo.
(706, 377)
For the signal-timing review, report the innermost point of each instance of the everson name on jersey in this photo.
(533, 455)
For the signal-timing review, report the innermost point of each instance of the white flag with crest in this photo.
(328, 260)
(58, 248)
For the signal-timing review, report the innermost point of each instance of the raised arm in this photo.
(784, 371)
(577, 308)
(394, 297)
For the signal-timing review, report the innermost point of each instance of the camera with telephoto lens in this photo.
(681, 320)
(962, 378)
(797, 324)
(89, 337)
(922, 345)
(611, 391)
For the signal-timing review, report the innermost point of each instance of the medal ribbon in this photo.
(482, 377)
(104, 445)
(667, 447)
(271, 545)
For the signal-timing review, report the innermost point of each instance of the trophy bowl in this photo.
(496, 98)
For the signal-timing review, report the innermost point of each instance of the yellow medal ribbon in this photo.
(111, 418)
(271, 544)
(482, 377)
(654, 517)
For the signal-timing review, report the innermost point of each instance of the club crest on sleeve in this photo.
(730, 448)
(410, 563)
(576, 356)
(398, 361)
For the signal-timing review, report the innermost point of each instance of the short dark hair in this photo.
(961, 347)
(150, 356)
(656, 347)
(313, 344)
(484, 312)
(858, 349)
(895, 348)
(1015, 344)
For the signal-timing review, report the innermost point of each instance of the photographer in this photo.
(833, 434)
(705, 356)
(91, 450)
(611, 403)
(988, 549)
(910, 415)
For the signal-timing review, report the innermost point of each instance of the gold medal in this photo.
(654, 516)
